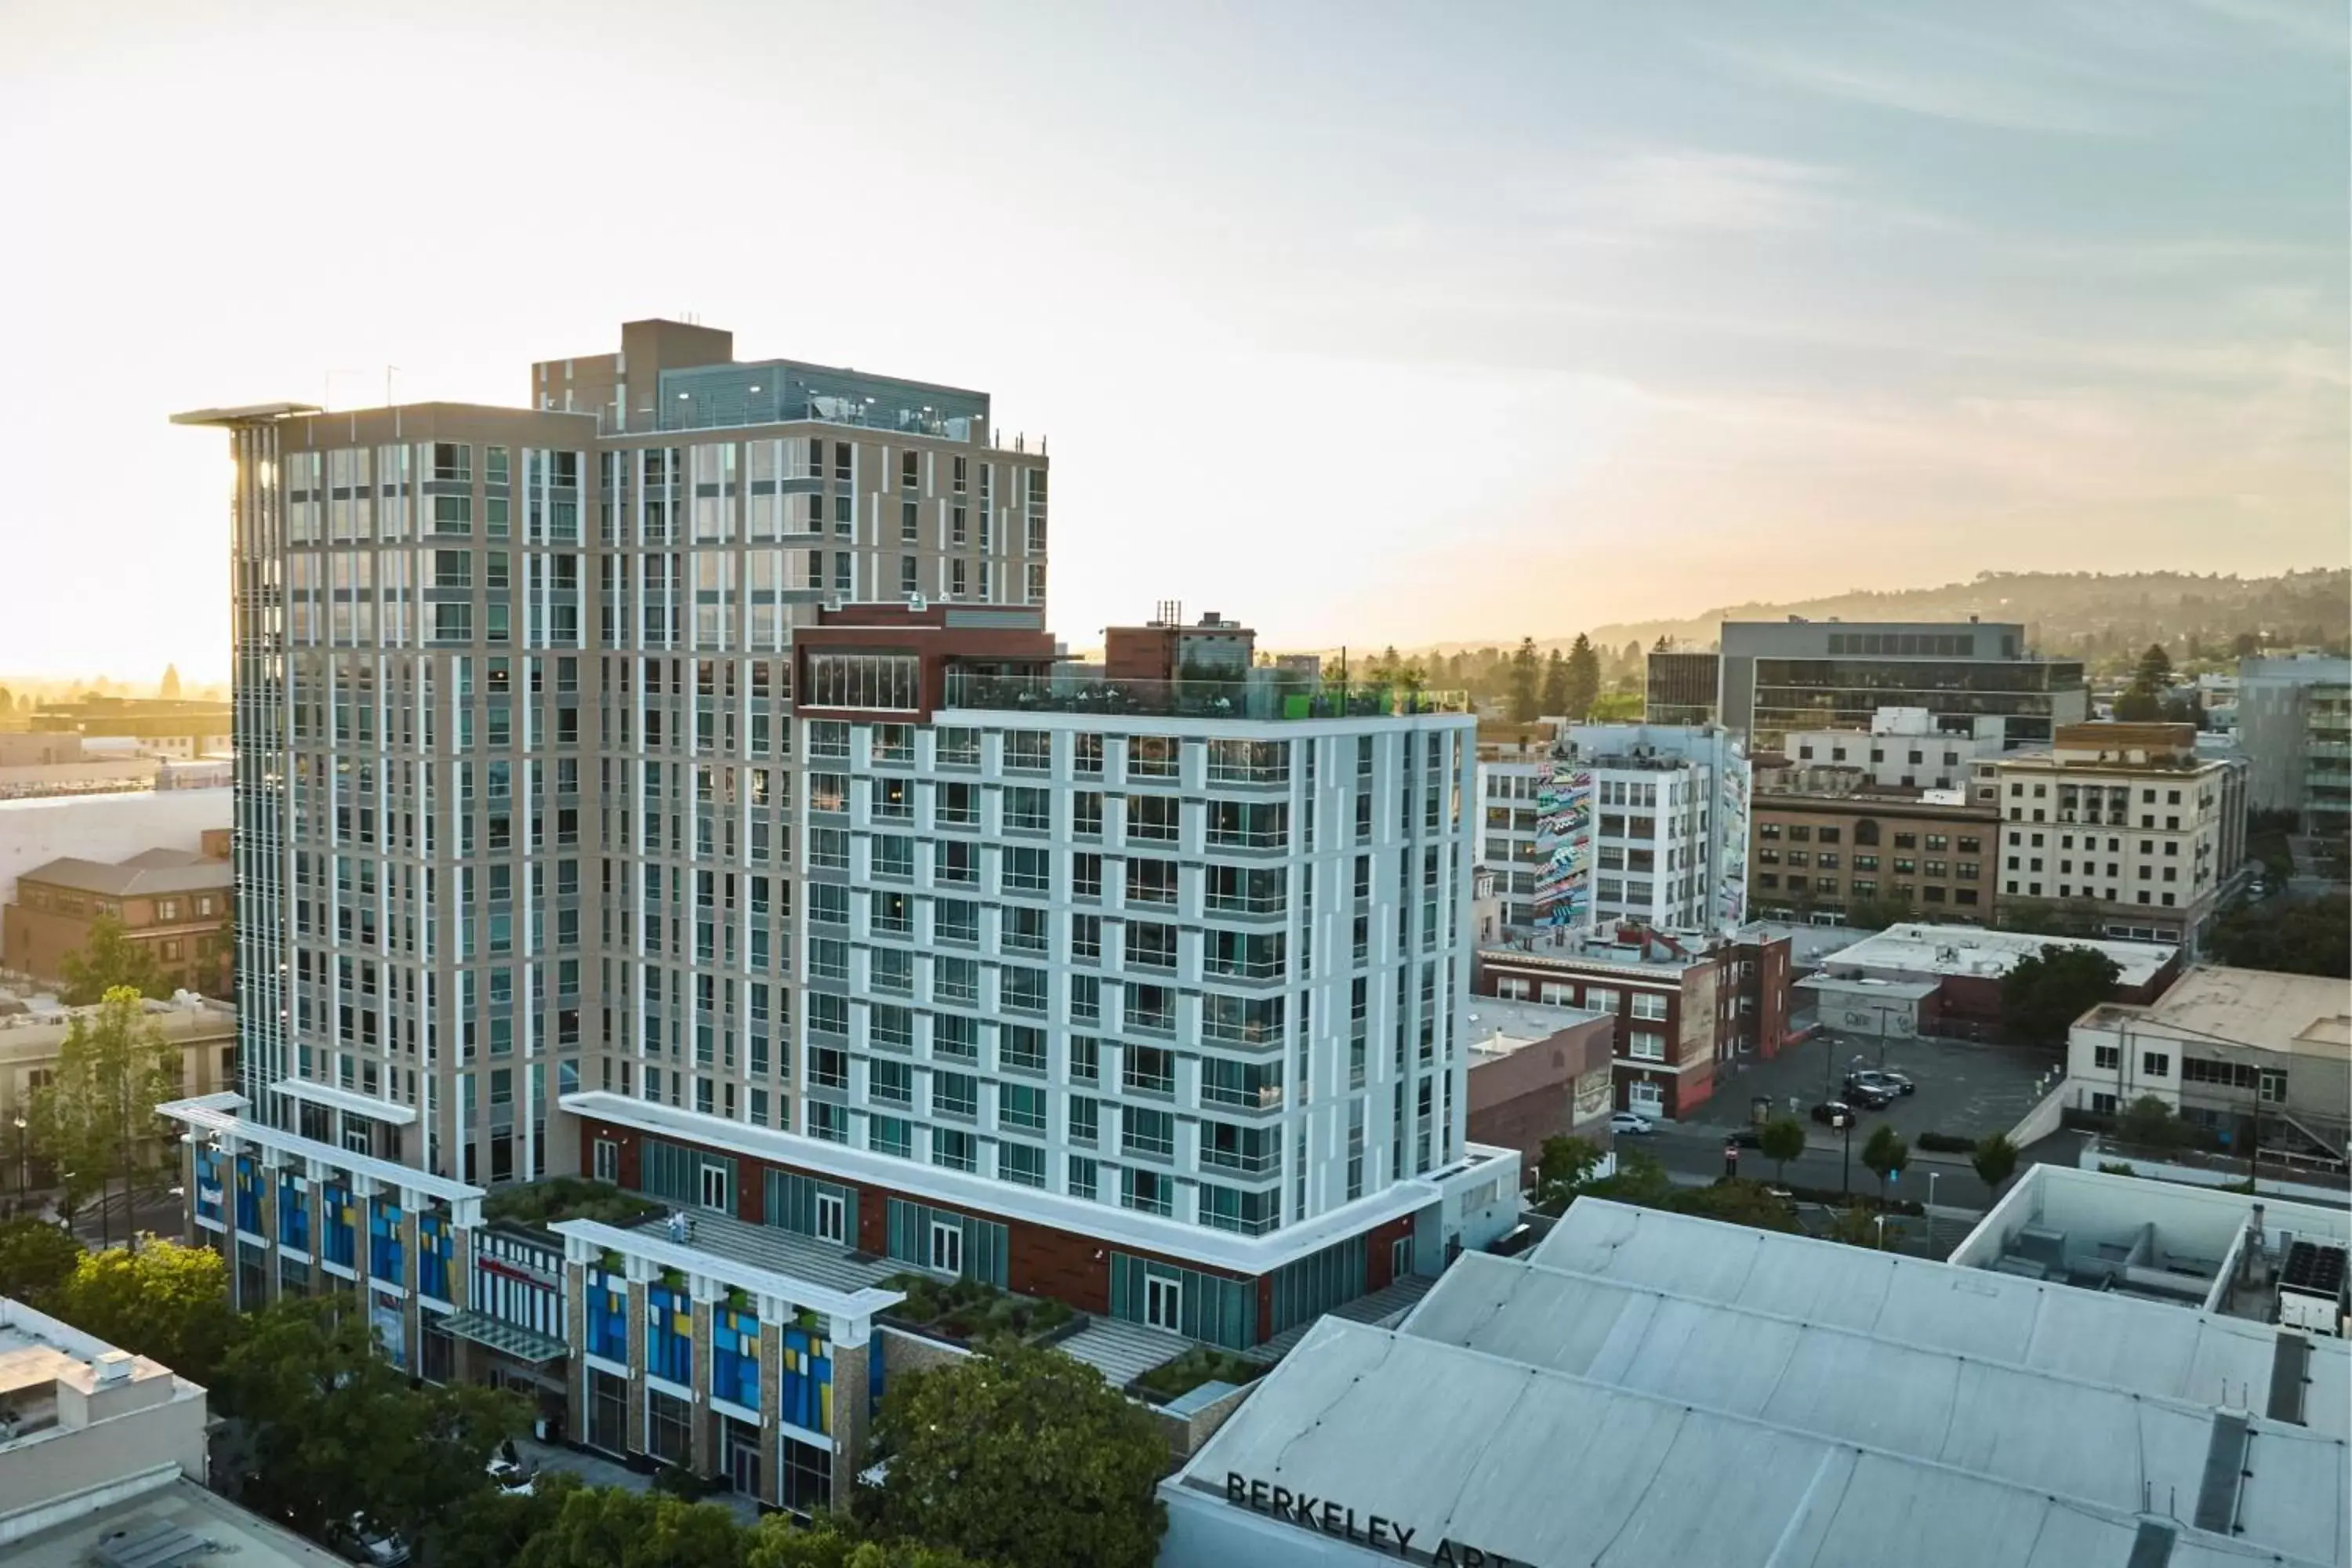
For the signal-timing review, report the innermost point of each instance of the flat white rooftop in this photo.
(2305, 1014)
(1653, 1389)
(1954, 949)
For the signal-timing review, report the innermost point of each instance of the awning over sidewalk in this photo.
(505, 1337)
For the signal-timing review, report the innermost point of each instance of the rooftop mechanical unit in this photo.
(2311, 1287)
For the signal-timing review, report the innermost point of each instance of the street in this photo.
(1690, 1151)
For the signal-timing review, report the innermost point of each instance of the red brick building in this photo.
(1682, 1010)
(1538, 1072)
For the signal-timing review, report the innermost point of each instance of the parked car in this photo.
(1869, 1080)
(358, 1539)
(1864, 1096)
(1748, 1137)
(1833, 1112)
(1627, 1123)
(509, 1472)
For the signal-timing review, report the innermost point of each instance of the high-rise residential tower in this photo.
(675, 783)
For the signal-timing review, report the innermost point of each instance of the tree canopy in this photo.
(606, 1527)
(1023, 1458)
(326, 1405)
(1782, 1139)
(1886, 1154)
(1995, 1159)
(1562, 1167)
(95, 1118)
(109, 958)
(1526, 688)
(2289, 935)
(1583, 679)
(2043, 996)
(166, 1301)
(35, 1258)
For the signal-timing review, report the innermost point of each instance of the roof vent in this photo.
(112, 1366)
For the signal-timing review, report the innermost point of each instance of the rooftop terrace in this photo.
(1259, 695)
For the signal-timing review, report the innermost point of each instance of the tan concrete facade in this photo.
(1827, 854)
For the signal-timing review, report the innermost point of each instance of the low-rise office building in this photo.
(1783, 678)
(2126, 820)
(2262, 1060)
(2294, 726)
(1869, 854)
(1902, 750)
(1563, 1406)
(1683, 1010)
(176, 904)
(102, 1461)
(104, 827)
(168, 727)
(1947, 979)
(1538, 1072)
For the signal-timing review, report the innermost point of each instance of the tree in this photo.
(109, 959)
(2155, 670)
(326, 1407)
(1584, 677)
(169, 687)
(1023, 1458)
(1995, 1160)
(1556, 698)
(2136, 705)
(1562, 1167)
(35, 1258)
(2043, 996)
(95, 1120)
(2313, 937)
(164, 1302)
(606, 1527)
(2149, 1123)
(779, 1542)
(1885, 1154)
(1525, 709)
(1782, 1139)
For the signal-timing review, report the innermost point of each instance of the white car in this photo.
(1626, 1123)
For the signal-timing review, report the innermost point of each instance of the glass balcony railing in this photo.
(1256, 694)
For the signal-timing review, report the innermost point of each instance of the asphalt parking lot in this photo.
(1966, 1090)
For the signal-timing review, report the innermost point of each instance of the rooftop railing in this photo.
(1256, 694)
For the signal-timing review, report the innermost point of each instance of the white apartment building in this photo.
(673, 783)
(1902, 750)
(2126, 817)
(1668, 813)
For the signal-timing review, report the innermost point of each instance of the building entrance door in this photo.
(1163, 1302)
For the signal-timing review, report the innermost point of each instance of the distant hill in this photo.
(2086, 612)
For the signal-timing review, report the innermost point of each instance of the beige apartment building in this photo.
(2125, 817)
(517, 788)
(1826, 854)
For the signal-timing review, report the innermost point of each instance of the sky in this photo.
(1364, 323)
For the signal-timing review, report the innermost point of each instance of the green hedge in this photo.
(1946, 1144)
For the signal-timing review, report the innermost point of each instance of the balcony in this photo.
(1261, 695)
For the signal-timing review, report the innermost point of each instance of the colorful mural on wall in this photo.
(1731, 841)
(1564, 845)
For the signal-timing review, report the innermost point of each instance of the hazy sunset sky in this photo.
(1366, 322)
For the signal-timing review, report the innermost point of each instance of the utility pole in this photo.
(1845, 1180)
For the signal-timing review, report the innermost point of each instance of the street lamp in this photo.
(1931, 1209)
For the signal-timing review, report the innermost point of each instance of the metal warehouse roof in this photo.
(2137, 1346)
(1545, 1468)
(2088, 1441)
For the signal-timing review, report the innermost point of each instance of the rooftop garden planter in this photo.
(967, 1311)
